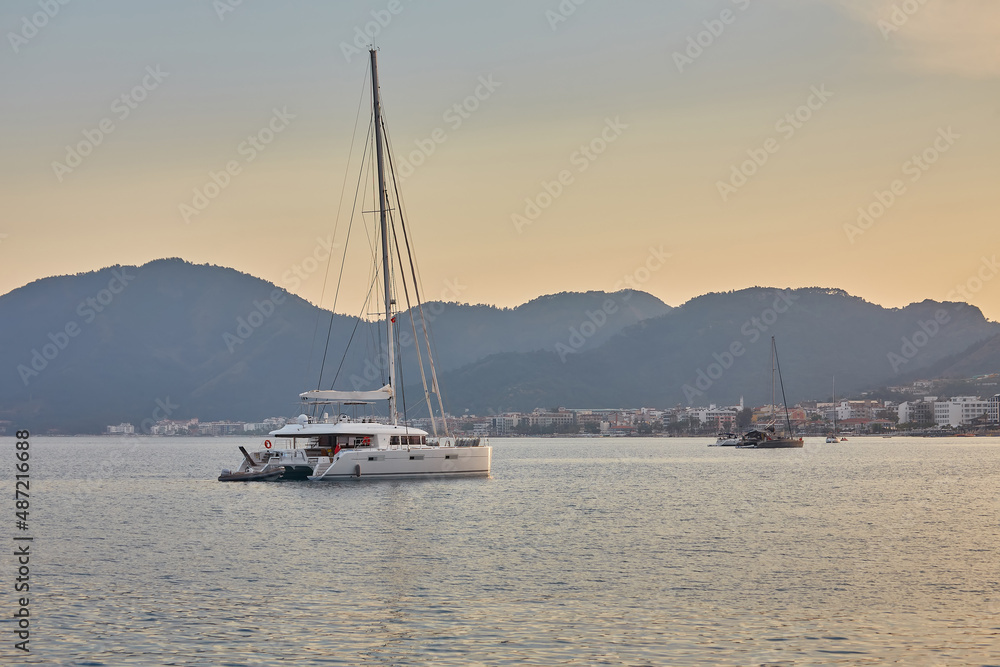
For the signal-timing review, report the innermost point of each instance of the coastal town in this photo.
(922, 412)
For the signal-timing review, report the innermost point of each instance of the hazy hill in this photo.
(983, 358)
(465, 333)
(80, 352)
(172, 339)
(162, 336)
(686, 356)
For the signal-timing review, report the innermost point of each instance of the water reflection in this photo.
(576, 551)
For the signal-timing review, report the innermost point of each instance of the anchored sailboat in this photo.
(833, 436)
(345, 447)
(767, 438)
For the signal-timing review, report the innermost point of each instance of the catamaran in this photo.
(319, 448)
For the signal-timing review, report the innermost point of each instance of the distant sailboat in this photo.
(767, 438)
(833, 436)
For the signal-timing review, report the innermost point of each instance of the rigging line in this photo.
(399, 201)
(336, 226)
(416, 339)
(402, 384)
(788, 422)
(357, 322)
(340, 276)
(373, 243)
(435, 387)
(376, 259)
(374, 341)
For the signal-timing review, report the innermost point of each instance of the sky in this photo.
(678, 147)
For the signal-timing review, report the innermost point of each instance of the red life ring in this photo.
(366, 442)
(267, 444)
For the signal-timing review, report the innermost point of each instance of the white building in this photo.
(959, 410)
(718, 417)
(121, 429)
(542, 417)
(921, 411)
(993, 409)
(506, 423)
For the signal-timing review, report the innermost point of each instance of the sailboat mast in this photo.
(772, 378)
(784, 401)
(384, 221)
(834, 404)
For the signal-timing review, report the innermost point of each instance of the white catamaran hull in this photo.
(403, 464)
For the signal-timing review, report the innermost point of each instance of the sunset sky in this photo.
(739, 137)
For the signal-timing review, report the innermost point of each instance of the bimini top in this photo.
(333, 396)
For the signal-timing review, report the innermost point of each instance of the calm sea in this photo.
(575, 552)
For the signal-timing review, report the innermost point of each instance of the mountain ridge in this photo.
(180, 340)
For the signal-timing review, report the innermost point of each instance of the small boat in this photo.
(270, 475)
(726, 440)
(832, 438)
(267, 470)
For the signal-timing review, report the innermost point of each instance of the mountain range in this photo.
(171, 339)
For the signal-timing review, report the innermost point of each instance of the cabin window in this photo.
(394, 440)
(417, 457)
